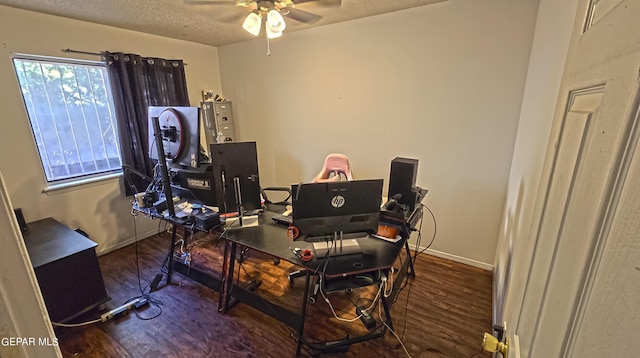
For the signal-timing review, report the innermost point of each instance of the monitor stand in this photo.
(337, 247)
(242, 220)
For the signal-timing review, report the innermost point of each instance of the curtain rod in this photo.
(84, 52)
(68, 50)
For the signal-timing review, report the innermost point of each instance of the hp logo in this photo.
(337, 201)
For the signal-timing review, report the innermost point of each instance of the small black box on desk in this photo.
(206, 221)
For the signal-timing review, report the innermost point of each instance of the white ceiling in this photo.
(211, 24)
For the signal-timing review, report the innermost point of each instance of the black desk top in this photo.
(48, 240)
(271, 238)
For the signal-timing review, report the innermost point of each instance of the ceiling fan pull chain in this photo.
(268, 47)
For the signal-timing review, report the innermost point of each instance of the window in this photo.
(70, 107)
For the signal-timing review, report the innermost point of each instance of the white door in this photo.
(22, 311)
(583, 289)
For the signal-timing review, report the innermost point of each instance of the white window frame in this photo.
(87, 176)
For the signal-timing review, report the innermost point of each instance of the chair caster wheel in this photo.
(276, 261)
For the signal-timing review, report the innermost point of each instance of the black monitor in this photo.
(180, 133)
(235, 166)
(346, 206)
(195, 184)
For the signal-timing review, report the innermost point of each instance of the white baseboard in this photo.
(456, 258)
(121, 244)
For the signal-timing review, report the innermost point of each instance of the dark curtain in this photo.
(139, 82)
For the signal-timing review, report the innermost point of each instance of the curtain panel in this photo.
(139, 82)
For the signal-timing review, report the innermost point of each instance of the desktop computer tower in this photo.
(402, 180)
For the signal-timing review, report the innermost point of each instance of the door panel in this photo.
(613, 331)
(570, 147)
(585, 220)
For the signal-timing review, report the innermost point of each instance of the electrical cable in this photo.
(406, 308)
(418, 240)
(76, 324)
(380, 288)
(143, 294)
(404, 284)
(398, 338)
(384, 322)
(388, 282)
(435, 229)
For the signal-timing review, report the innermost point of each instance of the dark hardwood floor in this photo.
(442, 312)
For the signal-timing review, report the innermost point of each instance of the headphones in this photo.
(306, 255)
(393, 202)
(293, 232)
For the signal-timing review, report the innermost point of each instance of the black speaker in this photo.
(402, 180)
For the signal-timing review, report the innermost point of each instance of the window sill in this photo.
(64, 187)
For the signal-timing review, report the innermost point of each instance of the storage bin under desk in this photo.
(67, 269)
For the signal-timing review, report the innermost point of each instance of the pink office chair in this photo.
(335, 165)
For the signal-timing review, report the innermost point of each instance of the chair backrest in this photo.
(336, 164)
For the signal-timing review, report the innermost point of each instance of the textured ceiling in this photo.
(211, 24)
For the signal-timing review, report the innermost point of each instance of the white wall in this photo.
(546, 65)
(99, 209)
(441, 83)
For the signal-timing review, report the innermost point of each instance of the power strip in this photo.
(367, 320)
(123, 310)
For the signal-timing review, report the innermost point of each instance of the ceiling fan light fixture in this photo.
(271, 34)
(275, 22)
(252, 23)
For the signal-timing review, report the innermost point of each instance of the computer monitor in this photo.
(180, 133)
(346, 206)
(235, 167)
(195, 184)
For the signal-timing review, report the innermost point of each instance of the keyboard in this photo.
(282, 219)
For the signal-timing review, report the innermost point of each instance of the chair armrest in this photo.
(285, 201)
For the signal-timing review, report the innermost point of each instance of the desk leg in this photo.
(170, 254)
(406, 247)
(387, 312)
(303, 313)
(228, 267)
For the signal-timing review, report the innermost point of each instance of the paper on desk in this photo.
(394, 240)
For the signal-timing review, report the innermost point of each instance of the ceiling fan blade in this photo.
(325, 3)
(300, 15)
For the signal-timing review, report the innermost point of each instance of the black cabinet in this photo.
(67, 269)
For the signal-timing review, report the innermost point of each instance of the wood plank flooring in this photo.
(442, 312)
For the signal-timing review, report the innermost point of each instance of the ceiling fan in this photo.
(271, 13)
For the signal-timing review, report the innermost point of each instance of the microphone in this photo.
(391, 204)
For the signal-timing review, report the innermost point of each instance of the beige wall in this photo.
(441, 83)
(99, 209)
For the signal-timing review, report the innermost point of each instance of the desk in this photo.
(271, 239)
(175, 224)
